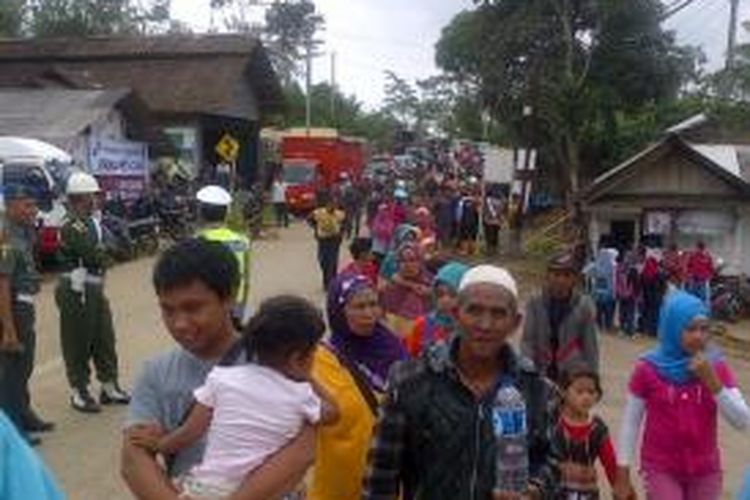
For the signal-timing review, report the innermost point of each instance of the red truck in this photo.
(315, 162)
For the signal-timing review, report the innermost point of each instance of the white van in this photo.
(44, 167)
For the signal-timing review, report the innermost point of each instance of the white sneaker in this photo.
(112, 394)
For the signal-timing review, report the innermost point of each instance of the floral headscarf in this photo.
(375, 354)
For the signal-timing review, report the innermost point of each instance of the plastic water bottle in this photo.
(509, 424)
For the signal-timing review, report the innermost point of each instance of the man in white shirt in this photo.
(278, 198)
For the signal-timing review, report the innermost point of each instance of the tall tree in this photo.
(348, 117)
(11, 17)
(51, 18)
(290, 27)
(735, 82)
(574, 63)
(290, 32)
(401, 101)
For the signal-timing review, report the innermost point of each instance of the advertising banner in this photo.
(121, 167)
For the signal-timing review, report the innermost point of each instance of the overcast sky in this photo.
(371, 36)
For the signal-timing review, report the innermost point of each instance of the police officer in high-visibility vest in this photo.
(214, 202)
(86, 329)
(19, 283)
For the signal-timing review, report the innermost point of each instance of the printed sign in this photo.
(126, 188)
(108, 157)
(121, 167)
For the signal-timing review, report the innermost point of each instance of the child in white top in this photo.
(252, 410)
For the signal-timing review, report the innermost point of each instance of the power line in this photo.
(403, 44)
(674, 10)
(698, 28)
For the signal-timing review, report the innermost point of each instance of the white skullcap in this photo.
(214, 195)
(492, 275)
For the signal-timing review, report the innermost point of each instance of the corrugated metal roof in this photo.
(688, 124)
(53, 113)
(728, 161)
(733, 158)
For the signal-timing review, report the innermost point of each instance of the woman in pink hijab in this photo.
(383, 226)
(426, 224)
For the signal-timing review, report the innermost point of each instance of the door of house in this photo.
(623, 233)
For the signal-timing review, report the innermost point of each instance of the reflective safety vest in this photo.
(240, 247)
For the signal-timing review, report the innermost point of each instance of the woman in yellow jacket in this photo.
(352, 367)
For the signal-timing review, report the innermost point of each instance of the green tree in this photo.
(53, 18)
(289, 28)
(734, 82)
(289, 33)
(402, 101)
(11, 17)
(347, 115)
(577, 65)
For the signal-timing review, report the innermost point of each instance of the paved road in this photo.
(83, 453)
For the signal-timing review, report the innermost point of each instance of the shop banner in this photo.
(121, 167)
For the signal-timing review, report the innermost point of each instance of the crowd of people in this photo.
(409, 385)
(632, 284)
(416, 391)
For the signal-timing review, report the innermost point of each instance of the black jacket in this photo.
(435, 440)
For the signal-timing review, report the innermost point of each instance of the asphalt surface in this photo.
(84, 450)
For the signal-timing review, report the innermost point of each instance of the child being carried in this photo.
(251, 410)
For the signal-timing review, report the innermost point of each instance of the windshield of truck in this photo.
(299, 174)
(378, 166)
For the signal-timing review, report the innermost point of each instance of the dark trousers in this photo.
(328, 258)
(492, 237)
(605, 313)
(444, 235)
(627, 316)
(16, 368)
(352, 223)
(282, 214)
(651, 305)
(86, 334)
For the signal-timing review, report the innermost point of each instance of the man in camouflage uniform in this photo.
(86, 329)
(19, 283)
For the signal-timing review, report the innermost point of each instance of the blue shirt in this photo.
(163, 394)
(23, 475)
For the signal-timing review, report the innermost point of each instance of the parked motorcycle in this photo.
(729, 299)
(116, 237)
(173, 212)
(143, 225)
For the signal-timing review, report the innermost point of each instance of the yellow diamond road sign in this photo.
(228, 148)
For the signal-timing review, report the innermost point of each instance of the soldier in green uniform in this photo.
(19, 283)
(86, 329)
(214, 202)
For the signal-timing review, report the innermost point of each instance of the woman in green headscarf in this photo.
(438, 324)
(405, 233)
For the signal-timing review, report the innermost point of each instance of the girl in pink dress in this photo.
(676, 393)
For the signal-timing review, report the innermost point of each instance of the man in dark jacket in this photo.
(435, 438)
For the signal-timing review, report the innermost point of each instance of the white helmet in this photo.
(81, 183)
(214, 195)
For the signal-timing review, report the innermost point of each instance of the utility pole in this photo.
(333, 88)
(726, 86)
(732, 40)
(308, 87)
